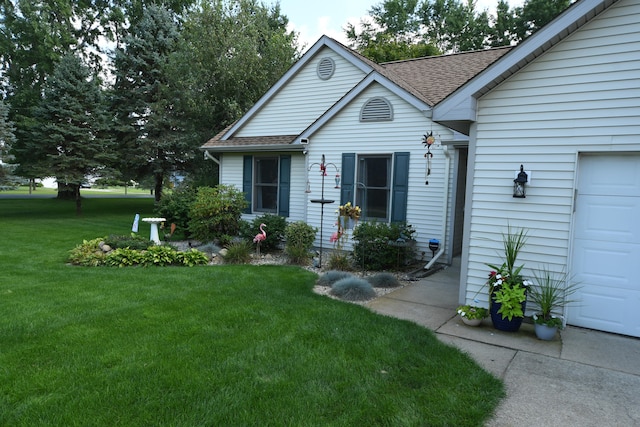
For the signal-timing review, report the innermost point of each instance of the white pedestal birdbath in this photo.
(154, 228)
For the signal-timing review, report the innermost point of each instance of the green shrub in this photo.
(88, 253)
(299, 238)
(331, 277)
(353, 289)
(192, 257)
(383, 280)
(372, 249)
(275, 229)
(175, 207)
(238, 252)
(159, 256)
(124, 257)
(131, 241)
(216, 212)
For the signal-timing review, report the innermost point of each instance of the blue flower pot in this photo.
(501, 324)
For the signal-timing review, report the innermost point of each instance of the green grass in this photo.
(111, 191)
(224, 345)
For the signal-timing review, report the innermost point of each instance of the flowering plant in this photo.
(472, 312)
(347, 210)
(509, 289)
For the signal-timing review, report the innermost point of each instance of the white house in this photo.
(369, 122)
(565, 103)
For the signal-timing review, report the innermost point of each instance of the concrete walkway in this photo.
(581, 378)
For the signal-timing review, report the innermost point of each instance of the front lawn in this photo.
(210, 345)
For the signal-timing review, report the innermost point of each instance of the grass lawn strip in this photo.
(223, 345)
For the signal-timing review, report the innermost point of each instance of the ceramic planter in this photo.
(501, 324)
(545, 332)
(471, 322)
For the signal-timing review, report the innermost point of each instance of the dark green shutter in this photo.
(348, 177)
(284, 186)
(400, 187)
(247, 180)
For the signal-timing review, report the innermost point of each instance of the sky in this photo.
(312, 19)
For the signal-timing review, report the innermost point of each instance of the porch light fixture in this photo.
(519, 184)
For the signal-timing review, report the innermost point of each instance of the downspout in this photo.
(445, 207)
(208, 155)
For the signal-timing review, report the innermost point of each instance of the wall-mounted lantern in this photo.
(520, 183)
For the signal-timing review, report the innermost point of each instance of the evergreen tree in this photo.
(7, 139)
(147, 126)
(71, 128)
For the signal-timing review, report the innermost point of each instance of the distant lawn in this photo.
(111, 191)
(214, 346)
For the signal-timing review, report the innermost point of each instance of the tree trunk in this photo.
(159, 177)
(71, 192)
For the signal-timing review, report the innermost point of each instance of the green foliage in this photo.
(128, 252)
(339, 260)
(192, 257)
(216, 212)
(88, 253)
(549, 295)
(217, 82)
(124, 257)
(372, 248)
(511, 296)
(383, 280)
(472, 312)
(331, 277)
(131, 241)
(147, 124)
(72, 124)
(238, 252)
(403, 29)
(299, 238)
(175, 207)
(275, 229)
(353, 289)
(160, 256)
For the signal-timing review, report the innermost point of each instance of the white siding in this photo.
(581, 96)
(346, 134)
(304, 98)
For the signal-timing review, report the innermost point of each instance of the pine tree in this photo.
(72, 124)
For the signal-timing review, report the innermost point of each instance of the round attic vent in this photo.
(326, 67)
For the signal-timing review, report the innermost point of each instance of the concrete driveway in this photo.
(581, 378)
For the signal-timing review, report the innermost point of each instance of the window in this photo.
(266, 184)
(373, 186)
(379, 188)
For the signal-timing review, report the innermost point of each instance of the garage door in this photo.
(606, 246)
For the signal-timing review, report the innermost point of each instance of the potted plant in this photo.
(472, 315)
(549, 296)
(507, 287)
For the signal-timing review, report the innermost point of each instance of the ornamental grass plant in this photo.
(206, 345)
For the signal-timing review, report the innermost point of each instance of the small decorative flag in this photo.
(135, 223)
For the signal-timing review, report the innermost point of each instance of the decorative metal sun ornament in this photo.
(428, 141)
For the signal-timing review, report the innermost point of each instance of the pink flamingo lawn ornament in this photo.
(262, 235)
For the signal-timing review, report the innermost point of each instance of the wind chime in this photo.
(428, 141)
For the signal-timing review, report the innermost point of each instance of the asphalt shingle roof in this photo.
(430, 79)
